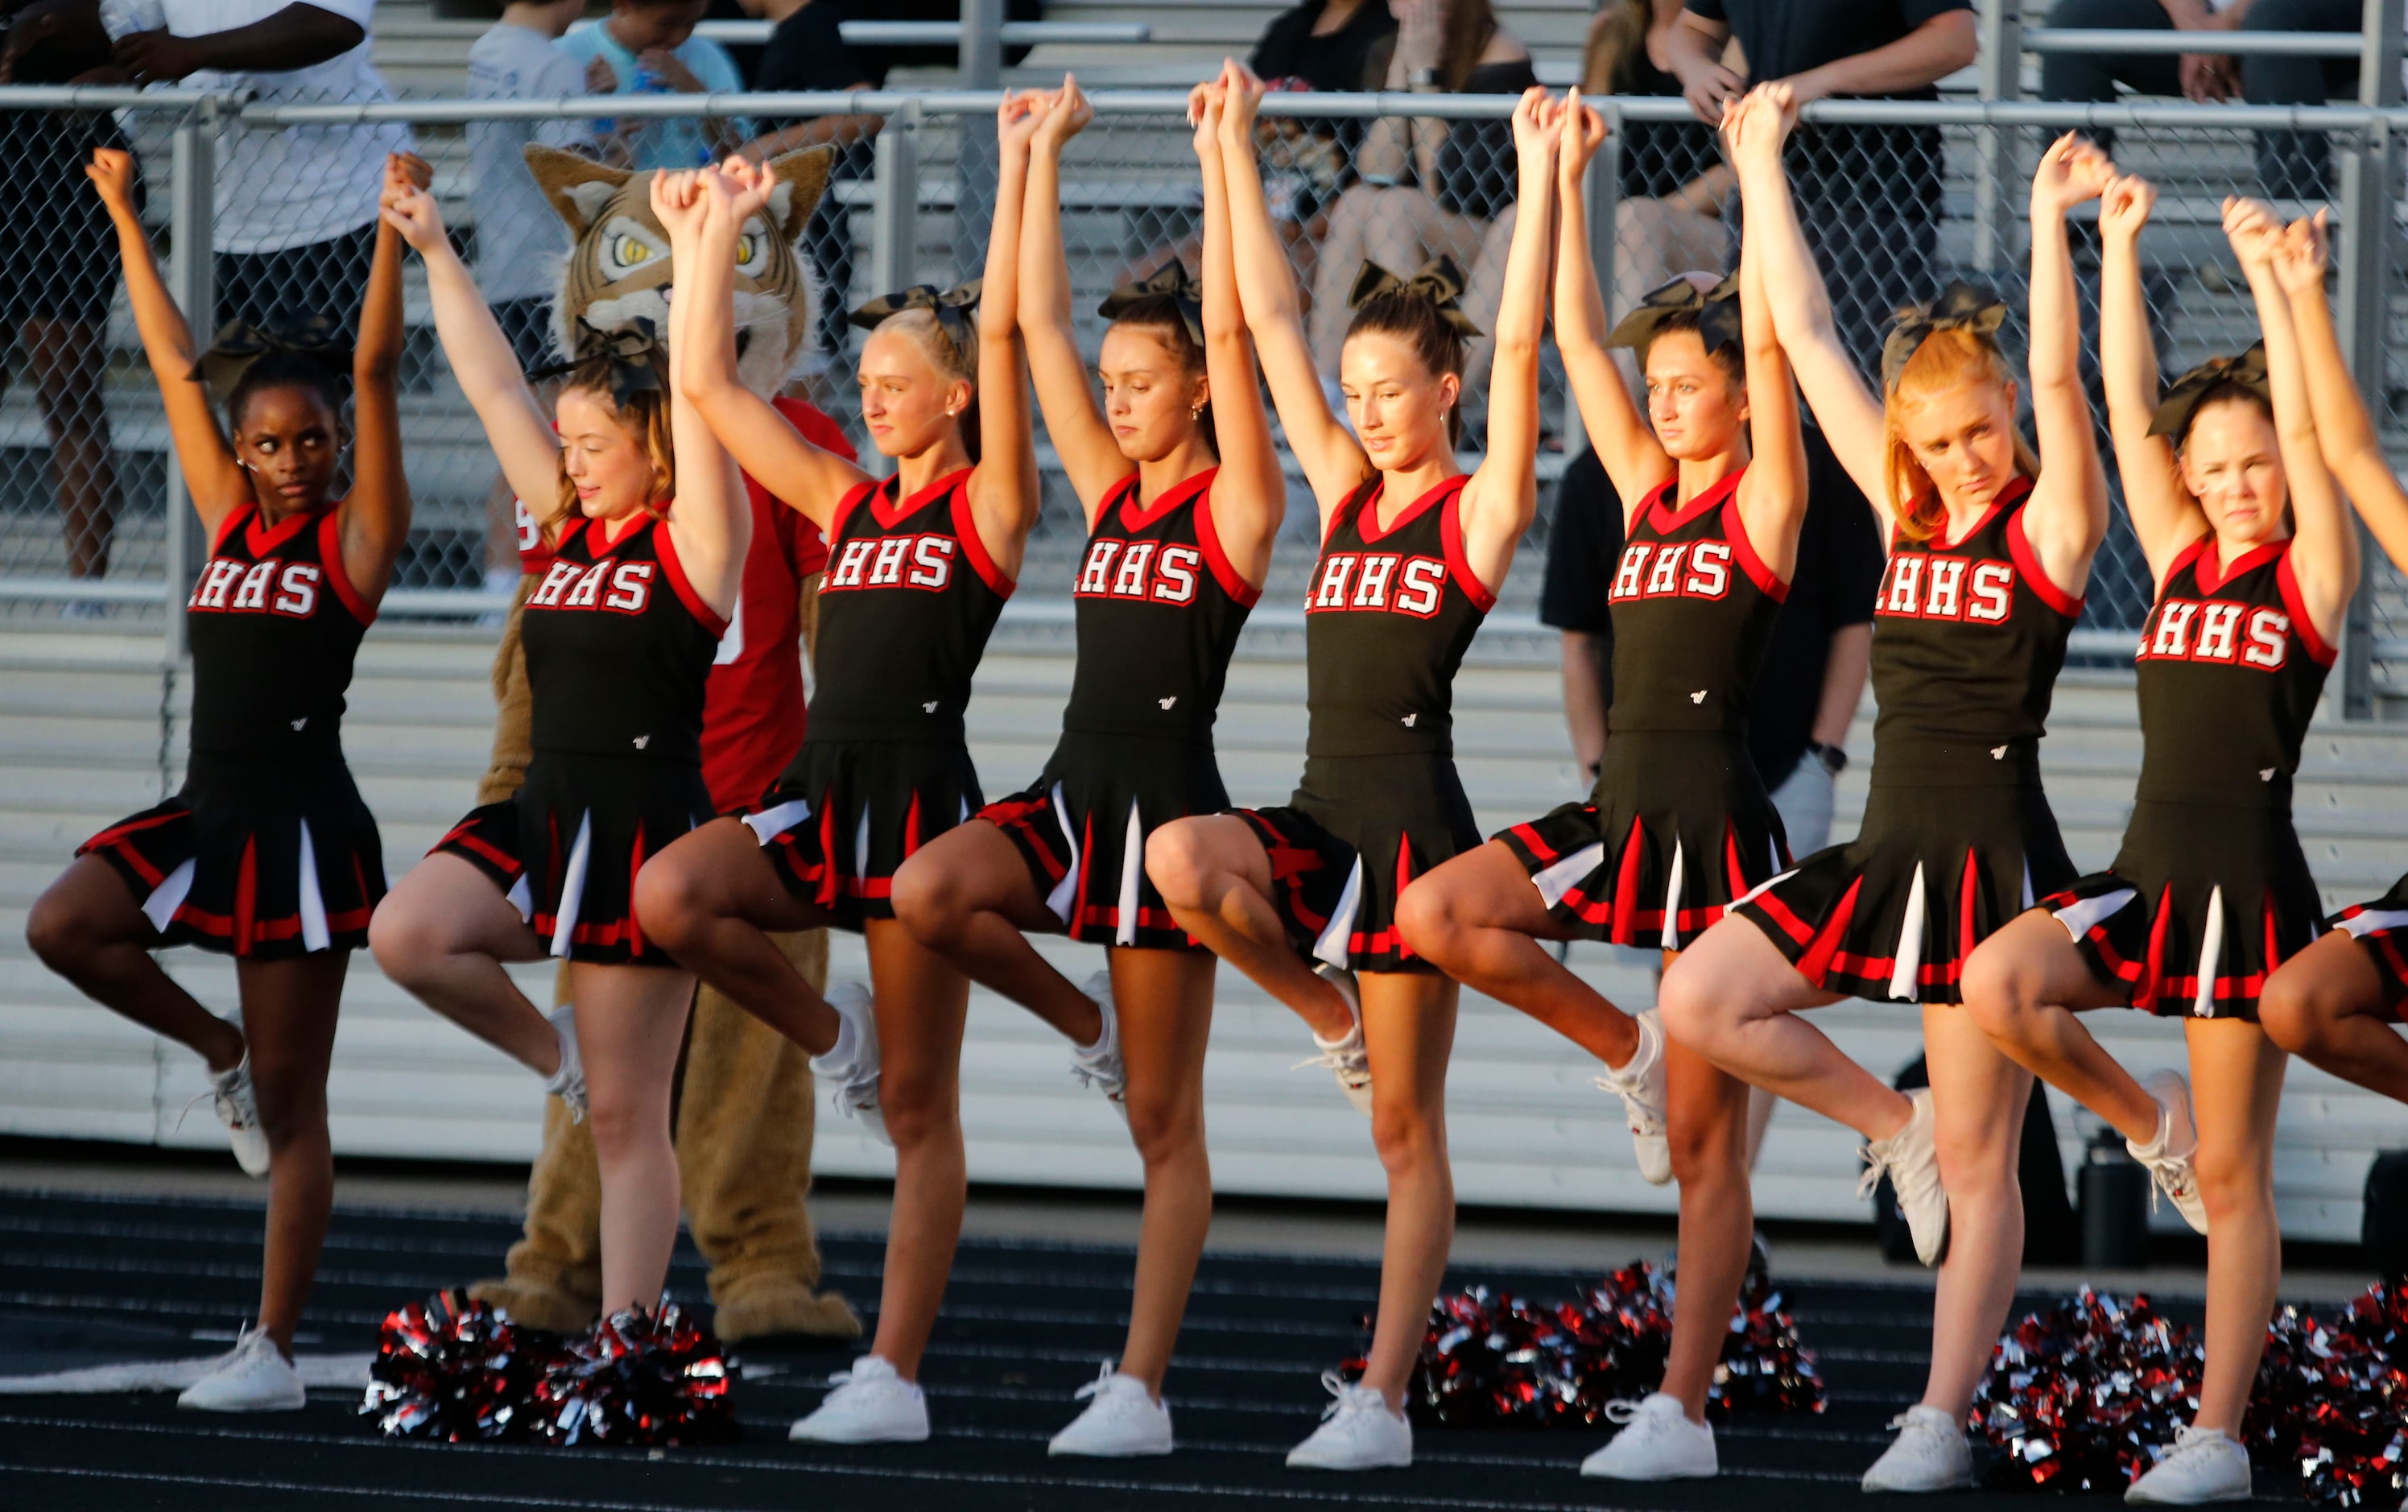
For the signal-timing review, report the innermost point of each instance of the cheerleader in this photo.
(1177, 549)
(1302, 898)
(649, 537)
(918, 566)
(1988, 556)
(266, 854)
(2336, 1002)
(2254, 559)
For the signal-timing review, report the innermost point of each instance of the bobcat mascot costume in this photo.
(745, 1094)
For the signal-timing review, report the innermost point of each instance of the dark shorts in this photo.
(58, 251)
(320, 278)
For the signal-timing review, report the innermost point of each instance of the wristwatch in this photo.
(1834, 758)
(1421, 77)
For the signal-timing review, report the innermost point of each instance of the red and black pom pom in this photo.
(456, 1371)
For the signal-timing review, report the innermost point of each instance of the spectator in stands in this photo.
(1668, 219)
(649, 48)
(1426, 187)
(1868, 196)
(59, 268)
(807, 51)
(2291, 165)
(295, 205)
(1329, 47)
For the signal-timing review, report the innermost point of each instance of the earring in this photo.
(1195, 411)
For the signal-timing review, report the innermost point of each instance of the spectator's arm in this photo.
(1923, 56)
(1624, 442)
(2066, 517)
(1002, 488)
(1845, 666)
(1585, 655)
(2165, 517)
(2345, 431)
(376, 514)
(1772, 491)
(300, 36)
(1705, 193)
(841, 130)
(1249, 493)
(1065, 395)
(1503, 495)
(1694, 49)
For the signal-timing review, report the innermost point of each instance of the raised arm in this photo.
(376, 514)
(2345, 431)
(1249, 496)
(1772, 493)
(1625, 441)
(481, 357)
(1503, 494)
(212, 477)
(2324, 540)
(1003, 488)
(2066, 517)
(712, 517)
(1081, 437)
(1334, 466)
(2165, 517)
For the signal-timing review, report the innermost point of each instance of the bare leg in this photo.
(2238, 1072)
(2324, 1004)
(630, 1025)
(88, 928)
(711, 899)
(2023, 987)
(443, 934)
(1734, 998)
(1485, 290)
(289, 1009)
(1342, 252)
(1409, 1030)
(1164, 1001)
(1978, 1098)
(923, 1004)
(67, 358)
(1479, 919)
(1216, 880)
(966, 895)
(1706, 1120)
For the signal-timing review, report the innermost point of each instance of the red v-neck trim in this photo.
(1664, 519)
(1366, 516)
(1133, 517)
(2008, 497)
(2210, 577)
(604, 543)
(262, 541)
(888, 519)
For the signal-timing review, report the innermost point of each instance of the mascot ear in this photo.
(577, 187)
(802, 178)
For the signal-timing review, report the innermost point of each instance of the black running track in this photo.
(88, 1280)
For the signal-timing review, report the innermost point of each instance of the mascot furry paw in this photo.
(744, 1104)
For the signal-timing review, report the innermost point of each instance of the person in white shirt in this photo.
(520, 241)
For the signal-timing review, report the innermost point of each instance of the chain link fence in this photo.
(1897, 199)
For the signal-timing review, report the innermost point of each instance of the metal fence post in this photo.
(982, 46)
(2370, 173)
(191, 206)
(2001, 64)
(895, 203)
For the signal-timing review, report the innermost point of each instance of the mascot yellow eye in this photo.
(628, 252)
(748, 250)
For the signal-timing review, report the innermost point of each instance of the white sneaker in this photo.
(1930, 1454)
(568, 1083)
(1639, 1083)
(1911, 1159)
(2169, 1156)
(870, 1405)
(1348, 1059)
(1659, 1444)
(254, 1378)
(1122, 1420)
(2204, 1465)
(1357, 1432)
(237, 1108)
(1099, 1065)
(852, 1081)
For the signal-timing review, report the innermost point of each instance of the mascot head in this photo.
(618, 268)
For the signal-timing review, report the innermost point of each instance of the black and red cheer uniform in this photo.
(1159, 608)
(906, 607)
(1679, 824)
(2209, 890)
(1388, 615)
(266, 852)
(619, 646)
(1958, 837)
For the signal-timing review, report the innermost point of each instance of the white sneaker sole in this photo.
(1057, 1449)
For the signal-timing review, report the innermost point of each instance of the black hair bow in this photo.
(633, 352)
(239, 344)
(1716, 310)
(2175, 412)
(1439, 281)
(1169, 281)
(952, 307)
(1961, 307)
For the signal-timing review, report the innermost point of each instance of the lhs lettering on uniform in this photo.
(272, 587)
(618, 587)
(1672, 570)
(2232, 635)
(1135, 570)
(1380, 582)
(921, 562)
(1919, 585)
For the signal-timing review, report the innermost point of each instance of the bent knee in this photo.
(57, 934)
(1179, 864)
(671, 901)
(930, 900)
(404, 942)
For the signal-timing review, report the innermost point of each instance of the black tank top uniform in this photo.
(906, 606)
(1159, 608)
(266, 852)
(1679, 823)
(2210, 891)
(1388, 615)
(1958, 837)
(619, 647)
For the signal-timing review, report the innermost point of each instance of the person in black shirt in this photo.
(807, 52)
(1868, 196)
